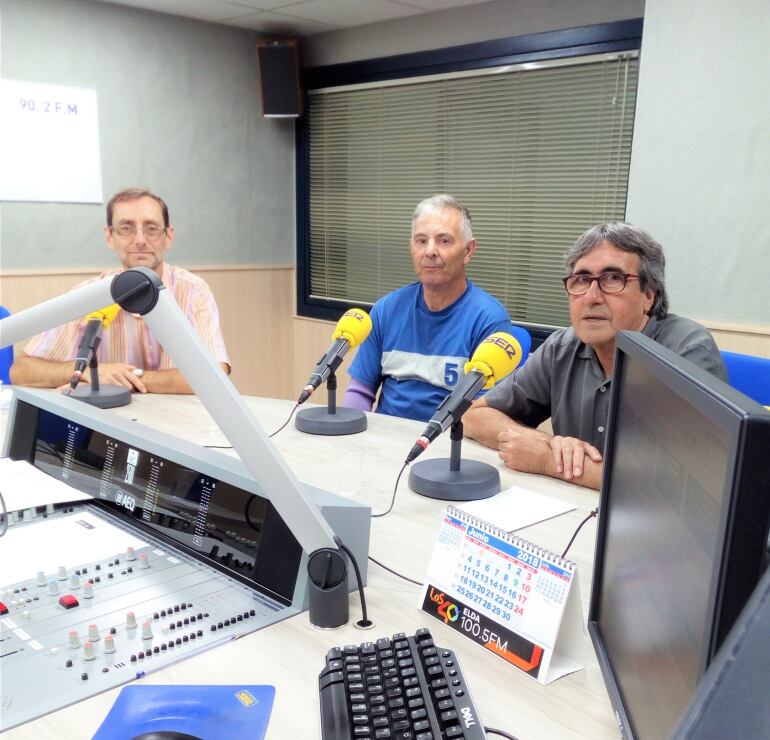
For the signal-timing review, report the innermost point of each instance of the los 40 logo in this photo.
(447, 610)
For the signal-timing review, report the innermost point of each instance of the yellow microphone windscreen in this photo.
(497, 356)
(106, 314)
(354, 326)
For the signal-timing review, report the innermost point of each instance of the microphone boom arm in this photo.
(139, 290)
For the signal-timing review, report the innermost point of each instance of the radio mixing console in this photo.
(78, 628)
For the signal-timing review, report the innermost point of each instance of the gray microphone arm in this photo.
(140, 290)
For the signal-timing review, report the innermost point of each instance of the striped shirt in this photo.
(128, 339)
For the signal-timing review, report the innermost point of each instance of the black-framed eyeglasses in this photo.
(150, 231)
(609, 282)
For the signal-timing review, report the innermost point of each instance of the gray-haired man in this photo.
(615, 281)
(424, 333)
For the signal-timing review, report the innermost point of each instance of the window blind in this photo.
(538, 152)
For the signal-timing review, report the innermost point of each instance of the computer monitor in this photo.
(682, 530)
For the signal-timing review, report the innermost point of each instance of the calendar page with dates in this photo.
(515, 599)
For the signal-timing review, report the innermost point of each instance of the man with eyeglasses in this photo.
(615, 282)
(139, 232)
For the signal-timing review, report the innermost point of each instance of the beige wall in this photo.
(272, 350)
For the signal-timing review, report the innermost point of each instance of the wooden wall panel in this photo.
(255, 306)
(748, 339)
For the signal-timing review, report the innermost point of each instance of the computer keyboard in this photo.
(404, 688)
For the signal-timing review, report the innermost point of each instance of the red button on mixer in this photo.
(68, 601)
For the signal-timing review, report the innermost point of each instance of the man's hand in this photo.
(112, 373)
(524, 449)
(569, 455)
(116, 373)
(532, 451)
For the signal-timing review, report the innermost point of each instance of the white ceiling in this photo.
(294, 17)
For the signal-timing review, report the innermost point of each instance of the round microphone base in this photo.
(107, 397)
(473, 481)
(318, 420)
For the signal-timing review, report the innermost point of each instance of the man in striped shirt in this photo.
(139, 233)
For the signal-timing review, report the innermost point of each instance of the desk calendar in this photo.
(515, 599)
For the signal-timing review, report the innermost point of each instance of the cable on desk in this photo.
(364, 622)
(580, 526)
(280, 428)
(493, 731)
(395, 572)
(392, 500)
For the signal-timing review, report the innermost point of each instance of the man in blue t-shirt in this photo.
(424, 333)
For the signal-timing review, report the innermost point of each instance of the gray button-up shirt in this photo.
(564, 380)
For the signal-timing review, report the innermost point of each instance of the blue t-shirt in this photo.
(417, 355)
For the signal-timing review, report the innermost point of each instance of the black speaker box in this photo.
(278, 63)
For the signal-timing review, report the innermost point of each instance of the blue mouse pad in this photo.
(206, 712)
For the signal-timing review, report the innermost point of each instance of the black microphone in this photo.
(90, 339)
(496, 356)
(352, 329)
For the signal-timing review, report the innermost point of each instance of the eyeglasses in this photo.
(150, 231)
(609, 282)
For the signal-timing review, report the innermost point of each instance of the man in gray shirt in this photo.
(615, 282)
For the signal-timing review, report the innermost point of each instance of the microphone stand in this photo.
(103, 397)
(330, 420)
(450, 480)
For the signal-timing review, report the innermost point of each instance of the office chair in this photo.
(6, 354)
(749, 374)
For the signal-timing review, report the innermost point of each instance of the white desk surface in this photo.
(290, 655)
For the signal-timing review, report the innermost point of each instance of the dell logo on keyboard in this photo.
(468, 717)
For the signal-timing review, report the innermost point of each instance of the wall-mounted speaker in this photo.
(278, 62)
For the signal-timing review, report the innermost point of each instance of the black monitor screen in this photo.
(682, 530)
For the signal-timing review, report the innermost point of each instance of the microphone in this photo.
(352, 329)
(90, 341)
(497, 356)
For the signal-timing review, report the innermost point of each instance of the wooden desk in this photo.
(290, 655)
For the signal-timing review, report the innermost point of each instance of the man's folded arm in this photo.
(484, 424)
(529, 450)
(39, 373)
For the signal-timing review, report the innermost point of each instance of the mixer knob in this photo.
(147, 630)
(109, 644)
(74, 640)
(88, 590)
(143, 562)
(74, 581)
(88, 651)
(29, 515)
(93, 632)
(130, 620)
(53, 588)
(41, 579)
(130, 553)
(62, 573)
